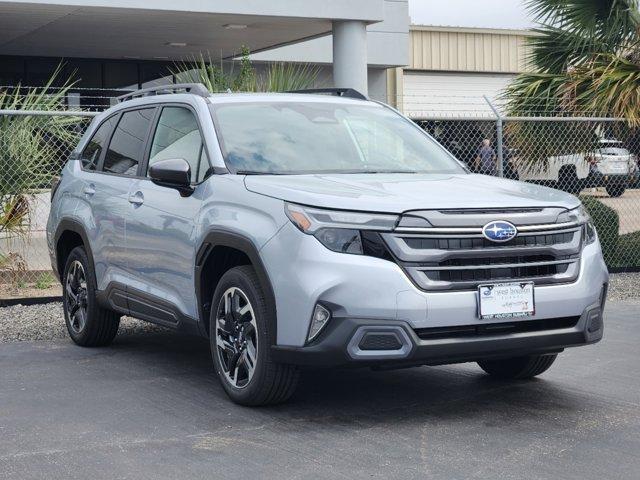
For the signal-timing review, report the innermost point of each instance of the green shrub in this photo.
(628, 252)
(607, 224)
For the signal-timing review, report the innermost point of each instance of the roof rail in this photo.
(340, 92)
(194, 88)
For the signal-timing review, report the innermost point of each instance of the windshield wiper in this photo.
(255, 172)
(322, 172)
(383, 171)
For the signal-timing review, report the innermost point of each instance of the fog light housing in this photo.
(594, 320)
(318, 321)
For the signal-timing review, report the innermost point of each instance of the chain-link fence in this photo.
(34, 146)
(596, 159)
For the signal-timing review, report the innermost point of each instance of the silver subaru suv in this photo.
(323, 230)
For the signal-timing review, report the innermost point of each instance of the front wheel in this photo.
(518, 368)
(241, 334)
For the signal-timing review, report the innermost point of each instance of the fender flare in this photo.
(71, 225)
(226, 238)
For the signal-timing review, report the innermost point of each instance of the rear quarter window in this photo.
(91, 153)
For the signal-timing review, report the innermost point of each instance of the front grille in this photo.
(542, 240)
(380, 341)
(460, 258)
(486, 329)
(497, 274)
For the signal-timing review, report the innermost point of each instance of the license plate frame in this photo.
(506, 302)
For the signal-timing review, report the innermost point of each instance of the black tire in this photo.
(518, 368)
(616, 190)
(271, 382)
(568, 180)
(100, 325)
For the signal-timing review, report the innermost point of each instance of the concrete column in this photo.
(350, 55)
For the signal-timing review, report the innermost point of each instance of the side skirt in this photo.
(143, 306)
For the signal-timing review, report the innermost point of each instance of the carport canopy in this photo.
(169, 30)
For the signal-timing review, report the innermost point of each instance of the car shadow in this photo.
(357, 396)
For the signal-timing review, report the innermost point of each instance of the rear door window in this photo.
(126, 148)
(92, 151)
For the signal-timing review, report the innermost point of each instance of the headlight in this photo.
(576, 215)
(341, 240)
(338, 230)
(580, 215)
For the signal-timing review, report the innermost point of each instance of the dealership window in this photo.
(155, 74)
(11, 70)
(108, 77)
(86, 73)
(121, 75)
(39, 70)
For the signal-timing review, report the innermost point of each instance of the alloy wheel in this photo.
(75, 291)
(236, 337)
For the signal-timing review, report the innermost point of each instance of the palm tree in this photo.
(586, 60)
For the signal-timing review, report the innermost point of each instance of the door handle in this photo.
(89, 190)
(136, 198)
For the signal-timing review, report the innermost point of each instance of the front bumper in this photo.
(393, 344)
(303, 272)
(599, 179)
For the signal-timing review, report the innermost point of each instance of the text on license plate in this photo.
(506, 300)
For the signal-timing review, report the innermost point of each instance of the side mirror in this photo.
(174, 173)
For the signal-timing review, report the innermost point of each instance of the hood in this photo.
(397, 193)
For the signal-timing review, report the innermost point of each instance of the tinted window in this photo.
(127, 144)
(178, 136)
(91, 153)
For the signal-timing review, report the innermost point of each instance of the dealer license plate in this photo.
(506, 300)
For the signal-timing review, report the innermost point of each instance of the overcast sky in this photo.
(470, 13)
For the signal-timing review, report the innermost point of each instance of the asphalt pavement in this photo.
(149, 407)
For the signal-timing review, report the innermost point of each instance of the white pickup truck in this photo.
(610, 165)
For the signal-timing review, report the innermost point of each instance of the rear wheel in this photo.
(518, 368)
(240, 338)
(88, 324)
(616, 190)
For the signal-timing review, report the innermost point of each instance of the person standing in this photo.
(486, 159)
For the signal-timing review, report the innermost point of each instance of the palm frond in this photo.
(553, 49)
(609, 87)
(534, 94)
(589, 26)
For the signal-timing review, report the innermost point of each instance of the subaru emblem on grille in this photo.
(499, 231)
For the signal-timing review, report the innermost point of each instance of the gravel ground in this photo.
(45, 322)
(21, 323)
(624, 286)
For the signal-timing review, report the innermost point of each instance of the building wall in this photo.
(451, 69)
(387, 42)
(468, 50)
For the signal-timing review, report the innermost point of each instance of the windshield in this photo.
(313, 137)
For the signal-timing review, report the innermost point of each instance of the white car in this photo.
(611, 165)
